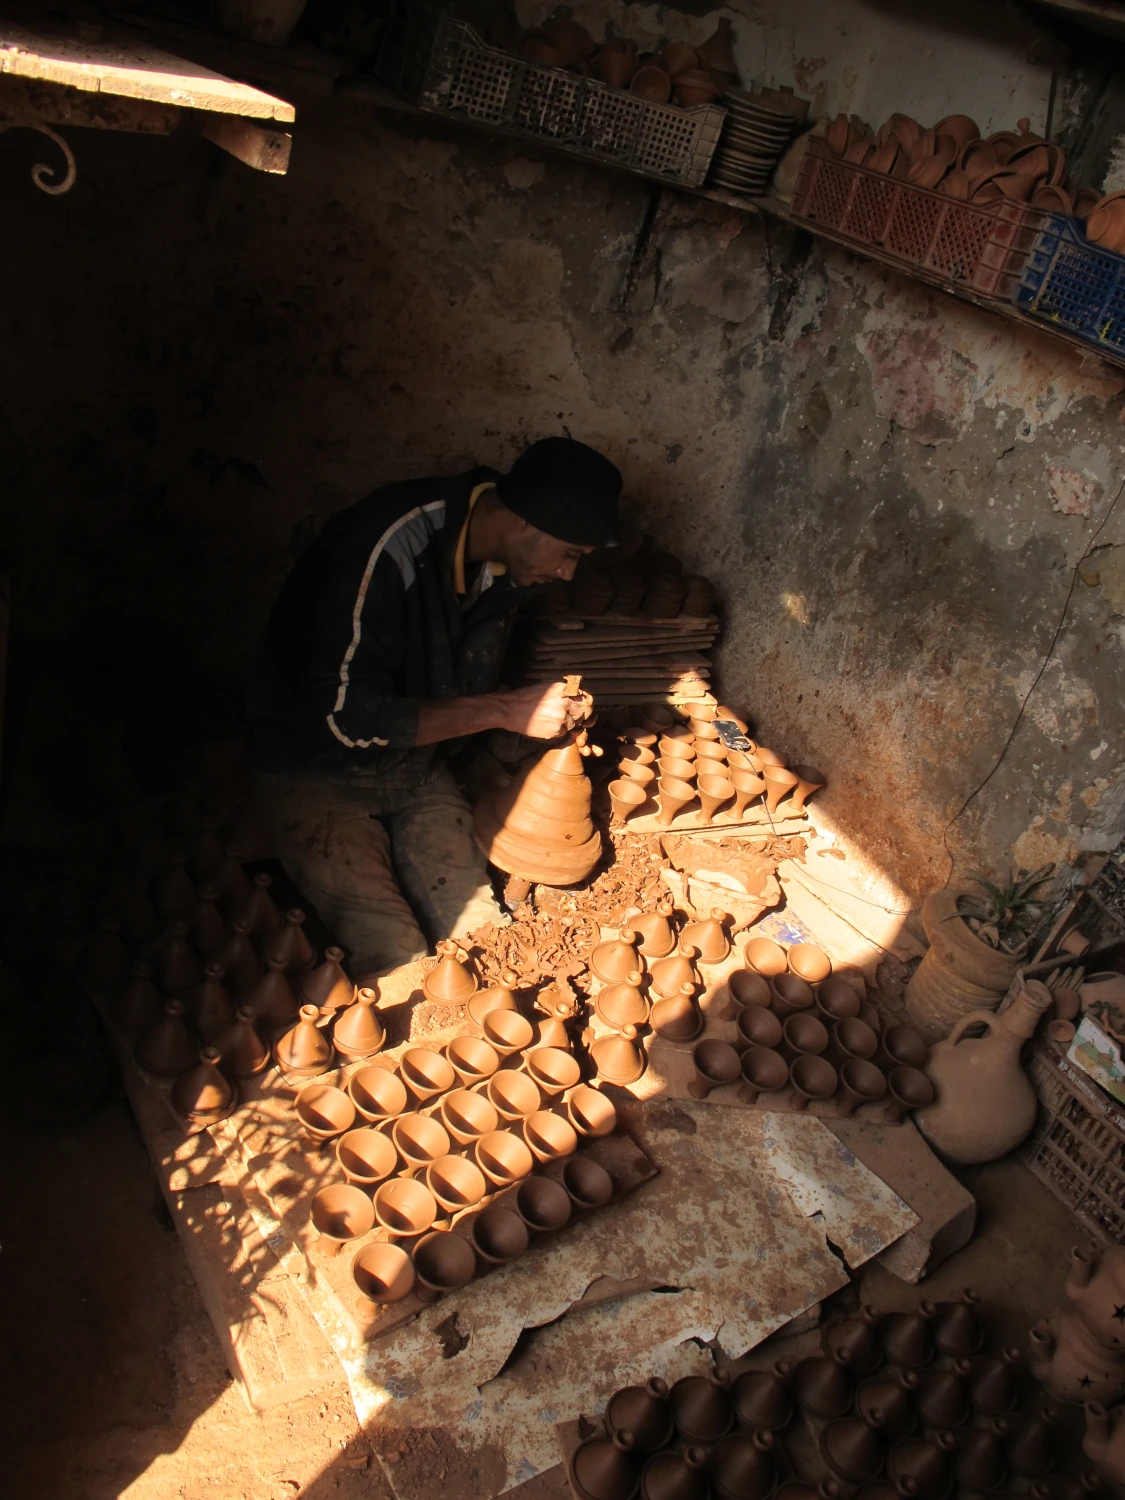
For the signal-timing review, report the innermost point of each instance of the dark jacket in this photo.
(366, 626)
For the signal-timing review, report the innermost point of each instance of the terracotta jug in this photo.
(272, 1000)
(204, 1096)
(328, 987)
(985, 1103)
(169, 1049)
(501, 996)
(259, 909)
(605, 1468)
(242, 968)
(709, 937)
(669, 975)
(452, 980)
(242, 1052)
(1104, 1444)
(138, 1003)
(209, 1007)
(290, 944)
(177, 967)
(654, 930)
(304, 1051)
(208, 931)
(677, 1018)
(1067, 1359)
(1096, 1288)
(642, 1410)
(619, 1059)
(854, 1342)
(539, 826)
(613, 961)
(357, 1031)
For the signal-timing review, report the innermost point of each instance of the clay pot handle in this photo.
(974, 1018)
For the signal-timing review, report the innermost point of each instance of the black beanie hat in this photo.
(565, 489)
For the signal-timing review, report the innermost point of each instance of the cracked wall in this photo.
(892, 490)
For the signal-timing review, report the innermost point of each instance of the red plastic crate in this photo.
(984, 248)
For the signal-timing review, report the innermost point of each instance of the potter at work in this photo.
(382, 658)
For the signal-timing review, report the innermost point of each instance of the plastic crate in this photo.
(443, 65)
(1075, 284)
(985, 248)
(1078, 1145)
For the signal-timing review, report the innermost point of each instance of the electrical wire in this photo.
(1035, 683)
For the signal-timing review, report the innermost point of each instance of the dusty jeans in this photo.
(389, 872)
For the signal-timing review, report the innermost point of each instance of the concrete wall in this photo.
(891, 489)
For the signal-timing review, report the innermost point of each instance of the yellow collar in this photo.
(495, 569)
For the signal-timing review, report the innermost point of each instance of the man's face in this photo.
(535, 558)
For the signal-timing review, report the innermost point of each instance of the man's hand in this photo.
(542, 713)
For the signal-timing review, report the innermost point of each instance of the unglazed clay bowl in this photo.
(791, 994)
(854, 1038)
(507, 1031)
(552, 1069)
(420, 1139)
(340, 1213)
(543, 1204)
(513, 1095)
(711, 750)
(639, 775)
(635, 755)
(378, 1094)
(679, 735)
(813, 1079)
(405, 1206)
(587, 1182)
(549, 1136)
(442, 1262)
(759, 1027)
(472, 1060)
(747, 988)
(658, 718)
(467, 1115)
(590, 1112)
(366, 1156)
(672, 769)
(809, 963)
(456, 1182)
(636, 734)
(766, 957)
(836, 1000)
(426, 1074)
(962, 128)
(651, 83)
(383, 1272)
(324, 1111)
(503, 1157)
(904, 1047)
(716, 1062)
(499, 1235)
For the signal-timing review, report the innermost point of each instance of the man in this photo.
(382, 655)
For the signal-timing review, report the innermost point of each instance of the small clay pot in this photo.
(503, 1157)
(340, 1213)
(258, 910)
(626, 796)
(588, 1183)
(651, 83)
(657, 717)
(614, 63)
(803, 1035)
(701, 1407)
(513, 1095)
(242, 968)
(383, 1272)
(443, 1262)
(836, 1000)
(711, 749)
(550, 1137)
(378, 1094)
(366, 1156)
(813, 1079)
(791, 996)
(420, 1140)
(678, 742)
(543, 1204)
(1062, 1033)
(177, 967)
(643, 1411)
(324, 1111)
(763, 1071)
(499, 1235)
(590, 1112)
(764, 956)
(467, 1115)
(759, 1027)
(426, 1074)
(405, 1206)
(860, 1083)
(748, 990)
(716, 1064)
(535, 48)
(670, 769)
(472, 1060)
(809, 963)
(712, 791)
(507, 1031)
(748, 787)
(552, 1070)
(909, 1089)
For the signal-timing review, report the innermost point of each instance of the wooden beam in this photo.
(55, 105)
(258, 146)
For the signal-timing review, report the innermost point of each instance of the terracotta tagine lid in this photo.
(992, 1385)
(272, 999)
(139, 920)
(539, 826)
(889, 1404)
(177, 967)
(822, 1387)
(957, 1327)
(622, 1004)
(669, 975)
(231, 883)
(701, 1406)
(642, 1410)
(204, 1096)
(619, 1059)
(208, 931)
(501, 996)
(605, 1468)
(854, 1342)
(676, 1475)
(104, 961)
(304, 1051)
(209, 1006)
(762, 1399)
(709, 937)
(552, 1032)
(677, 1018)
(743, 1466)
(923, 1469)
(173, 893)
(748, 989)
(614, 960)
(942, 1397)
(764, 956)
(241, 965)
(908, 1337)
(258, 909)
(655, 937)
(169, 1049)
(328, 987)
(290, 944)
(242, 1052)
(357, 1031)
(852, 1450)
(979, 1460)
(138, 1003)
(451, 981)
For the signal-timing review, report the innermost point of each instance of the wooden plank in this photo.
(257, 146)
(56, 105)
(133, 69)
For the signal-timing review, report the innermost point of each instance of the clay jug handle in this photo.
(974, 1018)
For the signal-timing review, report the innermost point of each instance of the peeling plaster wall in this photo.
(891, 489)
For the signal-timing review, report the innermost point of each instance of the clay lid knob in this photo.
(628, 936)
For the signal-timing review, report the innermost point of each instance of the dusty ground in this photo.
(115, 1383)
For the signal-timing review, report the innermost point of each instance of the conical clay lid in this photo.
(290, 945)
(678, 1019)
(709, 937)
(242, 1052)
(539, 826)
(328, 987)
(654, 931)
(358, 1032)
(451, 981)
(204, 1095)
(619, 1059)
(169, 1049)
(615, 960)
(272, 999)
(500, 997)
(669, 975)
(622, 1004)
(606, 1468)
(209, 1005)
(139, 1003)
(304, 1051)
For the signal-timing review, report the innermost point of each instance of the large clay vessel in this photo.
(304, 1051)
(1096, 1287)
(539, 826)
(985, 1104)
(1067, 1359)
(959, 973)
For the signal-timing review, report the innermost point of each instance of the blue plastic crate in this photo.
(1075, 284)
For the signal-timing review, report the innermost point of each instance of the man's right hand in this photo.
(541, 713)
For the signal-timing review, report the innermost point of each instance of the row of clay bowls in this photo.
(678, 71)
(953, 158)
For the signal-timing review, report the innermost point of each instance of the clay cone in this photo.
(619, 1059)
(357, 1031)
(258, 909)
(992, 1385)
(328, 987)
(890, 1403)
(177, 965)
(854, 1342)
(539, 826)
(242, 1052)
(204, 1095)
(173, 893)
(605, 1468)
(677, 1019)
(625, 797)
(614, 961)
(104, 961)
(207, 857)
(242, 968)
(809, 781)
(709, 937)
(500, 997)
(748, 786)
(852, 1450)
(654, 931)
(290, 944)
(674, 795)
(942, 1398)
(304, 1051)
(701, 1407)
(822, 1387)
(957, 1328)
(139, 920)
(908, 1339)
(232, 885)
(979, 1460)
(713, 791)
(169, 1049)
(209, 1007)
(923, 1469)
(272, 999)
(762, 1399)
(451, 981)
(138, 1003)
(669, 975)
(622, 1004)
(674, 1475)
(779, 783)
(208, 931)
(642, 1410)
